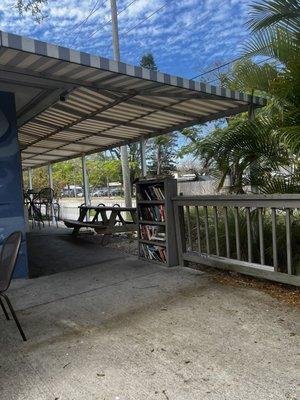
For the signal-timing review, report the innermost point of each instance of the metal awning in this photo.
(71, 103)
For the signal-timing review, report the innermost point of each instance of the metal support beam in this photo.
(50, 180)
(50, 176)
(143, 157)
(126, 176)
(86, 186)
(30, 178)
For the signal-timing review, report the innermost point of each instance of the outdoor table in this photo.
(107, 220)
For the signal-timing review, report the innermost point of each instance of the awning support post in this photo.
(126, 176)
(86, 186)
(50, 180)
(143, 157)
(30, 178)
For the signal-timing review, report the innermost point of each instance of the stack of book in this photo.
(151, 252)
(155, 192)
(153, 213)
(150, 232)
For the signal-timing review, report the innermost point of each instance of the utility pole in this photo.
(124, 150)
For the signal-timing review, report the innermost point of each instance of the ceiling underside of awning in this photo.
(71, 103)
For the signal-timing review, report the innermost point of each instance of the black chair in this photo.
(8, 258)
(46, 198)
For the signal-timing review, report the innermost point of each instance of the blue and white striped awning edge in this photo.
(21, 43)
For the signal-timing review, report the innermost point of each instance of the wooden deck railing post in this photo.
(251, 241)
(180, 232)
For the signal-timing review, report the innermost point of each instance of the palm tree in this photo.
(264, 153)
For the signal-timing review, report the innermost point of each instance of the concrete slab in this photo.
(130, 330)
(52, 250)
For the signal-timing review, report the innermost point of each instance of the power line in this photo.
(139, 23)
(106, 23)
(224, 65)
(84, 21)
(220, 66)
(92, 11)
(260, 62)
(145, 19)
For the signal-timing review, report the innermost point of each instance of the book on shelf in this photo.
(150, 232)
(155, 192)
(156, 233)
(153, 252)
(153, 213)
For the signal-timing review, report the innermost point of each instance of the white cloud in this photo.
(184, 35)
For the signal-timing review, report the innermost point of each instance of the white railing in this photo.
(257, 235)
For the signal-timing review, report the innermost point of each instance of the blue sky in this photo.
(186, 37)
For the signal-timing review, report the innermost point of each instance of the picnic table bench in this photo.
(107, 220)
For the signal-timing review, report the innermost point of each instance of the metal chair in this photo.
(8, 258)
(46, 198)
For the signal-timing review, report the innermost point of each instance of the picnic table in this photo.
(106, 220)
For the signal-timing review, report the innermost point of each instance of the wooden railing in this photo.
(258, 235)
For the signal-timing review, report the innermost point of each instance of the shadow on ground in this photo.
(50, 252)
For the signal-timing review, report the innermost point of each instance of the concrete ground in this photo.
(52, 250)
(127, 329)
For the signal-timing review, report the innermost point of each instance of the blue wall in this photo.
(11, 192)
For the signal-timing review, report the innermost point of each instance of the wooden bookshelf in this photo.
(156, 233)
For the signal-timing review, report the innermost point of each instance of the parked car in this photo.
(95, 193)
(116, 192)
(99, 192)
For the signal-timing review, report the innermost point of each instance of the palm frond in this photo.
(276, 43)
(267, 13)
(248, 76)
(291, 136)
(281, 184)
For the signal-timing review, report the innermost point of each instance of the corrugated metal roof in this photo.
(70, 102)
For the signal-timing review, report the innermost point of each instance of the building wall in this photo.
(11, 192)
(197, 188)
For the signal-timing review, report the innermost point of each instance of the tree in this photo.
(134, 160)
(67, 173)
(258, 152)
(195, 137)
(35, 7)
(40, 178)
(163, 154)
(161, 148)
(147, 61)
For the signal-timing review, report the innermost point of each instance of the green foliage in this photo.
(259, 152)
(162, 151)
(35, 7)
(282, 13)
(147, 61)
(161, 148)
(40, 178)
(100, 172)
